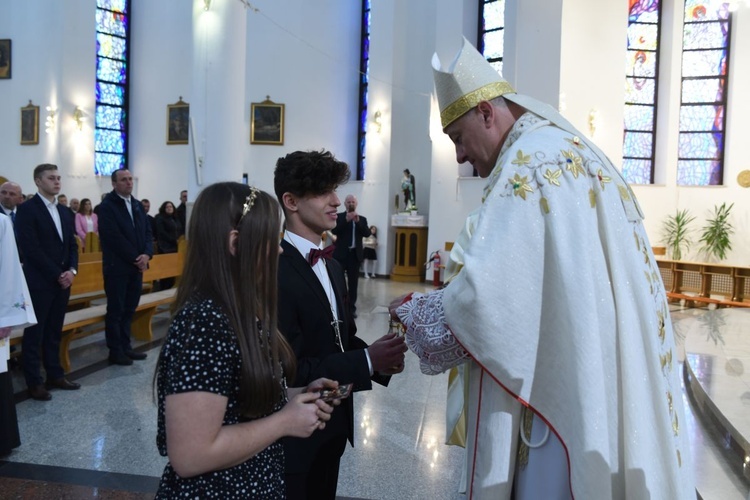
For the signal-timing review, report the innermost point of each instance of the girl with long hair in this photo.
(222, 371)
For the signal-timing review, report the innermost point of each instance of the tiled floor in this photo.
(99, 442)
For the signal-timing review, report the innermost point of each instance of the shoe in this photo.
(135, 355)
(39, 393)
(120, 359)
(367, 276)
(63, 383)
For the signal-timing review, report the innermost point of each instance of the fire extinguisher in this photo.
(435, 260)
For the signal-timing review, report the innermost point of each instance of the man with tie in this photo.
(315, 318)
(127, 246)
(10, 198)
(46, 235)
(350, 229)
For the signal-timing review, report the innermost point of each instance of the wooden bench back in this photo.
(164, 265)
(91, 279)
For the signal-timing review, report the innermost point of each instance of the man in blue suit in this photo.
(127, 246)
(46, 235)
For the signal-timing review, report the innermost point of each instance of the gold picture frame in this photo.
(29, 125)
(178, 122)
(267, 122)
(5, 59)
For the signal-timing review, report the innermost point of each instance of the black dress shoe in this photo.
(63, 383)
(135, 355)
(120, 359)
(39, 393)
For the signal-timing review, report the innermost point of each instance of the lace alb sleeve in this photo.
(428, 335)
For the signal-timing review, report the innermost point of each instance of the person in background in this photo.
(46, 235)
(221, 378)
(316, 320)
(167, 232)
(10, 198)
(350, 228)
(16, 311)
(555, 310)
(75, 204)
(127, 246)
(151, 219)
(370, 252)
(182, 211)
(96, 208)
(62, 200)
(86, 220)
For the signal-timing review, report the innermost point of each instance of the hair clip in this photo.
(249, 202)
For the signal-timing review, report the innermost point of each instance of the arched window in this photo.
(641, 86)
(112, 47)
(364, 78)
(703, 102)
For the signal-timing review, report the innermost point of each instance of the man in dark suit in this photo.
(127, 246)
(181, 212)
(46, 234)
(350, 229)
(314, 317)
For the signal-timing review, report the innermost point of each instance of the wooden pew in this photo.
(704, 283)
(89, 320)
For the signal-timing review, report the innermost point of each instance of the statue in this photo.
(408, 186)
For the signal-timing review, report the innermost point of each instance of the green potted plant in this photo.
(717, 232)
(676, 233)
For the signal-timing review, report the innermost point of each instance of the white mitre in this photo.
(465, 83)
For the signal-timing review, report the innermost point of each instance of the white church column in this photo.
(218, 98)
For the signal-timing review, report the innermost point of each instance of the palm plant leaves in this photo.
(716, 233)
(676, 233)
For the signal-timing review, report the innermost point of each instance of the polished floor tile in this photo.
(107, 429)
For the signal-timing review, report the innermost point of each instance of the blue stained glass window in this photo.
(107, 93)
(705, 66)
(492, 31)
(111, 46)
(364, 79)
(111, 125)
(641, 86)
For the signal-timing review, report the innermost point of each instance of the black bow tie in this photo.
(315, 255)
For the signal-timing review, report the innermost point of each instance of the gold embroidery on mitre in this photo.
(624, 193)
(679, 458)
(637, 240)
(521, 159)
(573, 163)
(666, 361)
(669, 402)
(676, 426)
(592, 198)
(520, 186)
(553, 177)
(545, 205)
(457, 108)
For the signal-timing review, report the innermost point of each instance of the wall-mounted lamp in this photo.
(49, 123)
(79, 117)
(377, 120)
(594, 122)
(206, 4)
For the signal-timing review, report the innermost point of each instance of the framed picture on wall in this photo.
(5, 59)
(178, 122)
(30, 124)
(267, 122)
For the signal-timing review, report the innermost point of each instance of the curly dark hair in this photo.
(308, 173)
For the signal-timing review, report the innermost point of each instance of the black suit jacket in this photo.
(45, 256)
(121, 238)
(343, 232)
(305, 319)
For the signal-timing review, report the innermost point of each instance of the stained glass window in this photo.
(110, 137)
(364, 79)
(492, 31)
(705, 63)
(641, 85)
